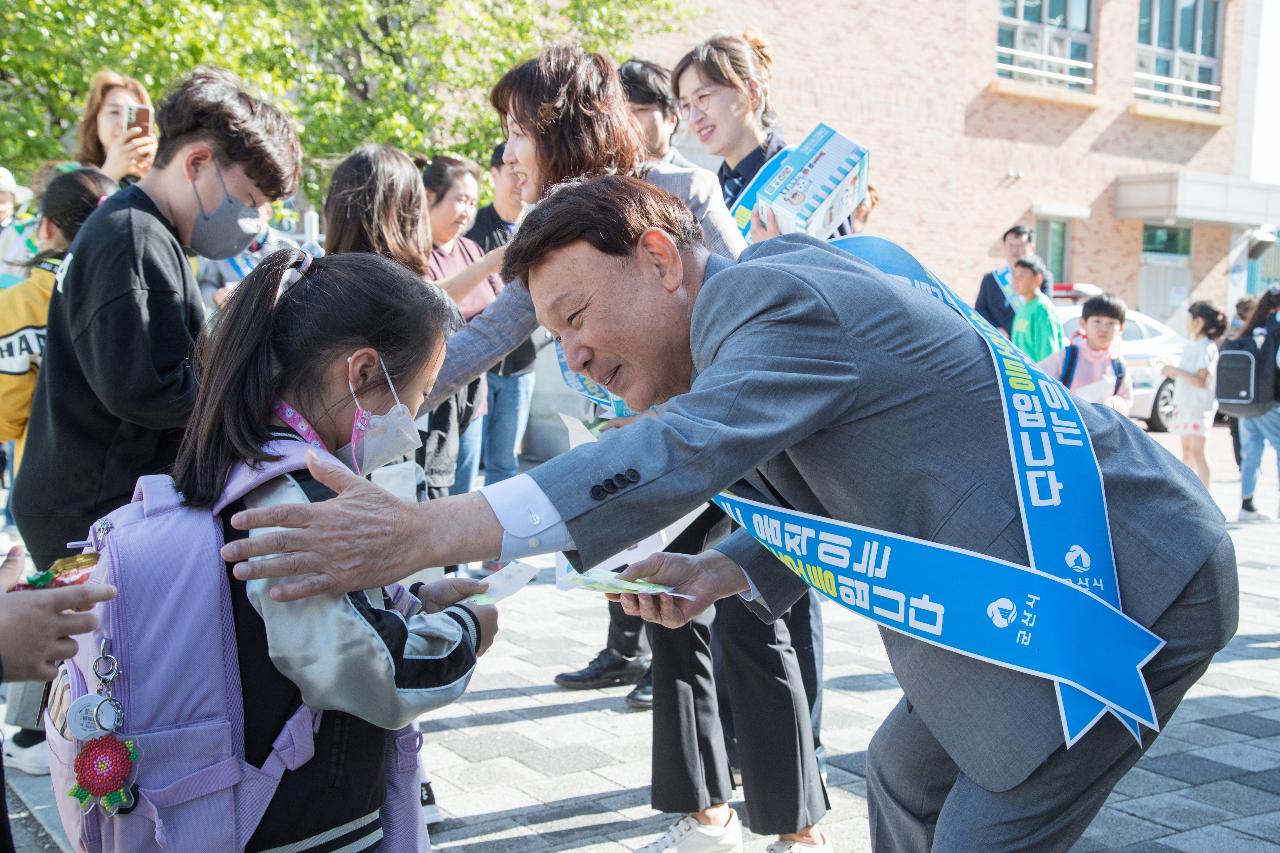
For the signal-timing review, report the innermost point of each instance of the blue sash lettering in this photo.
(1004, 279)
(1016, 617)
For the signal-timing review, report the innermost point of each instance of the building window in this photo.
(1046, 41)
(1051, 243)
(1166, 240)
(1179, 46)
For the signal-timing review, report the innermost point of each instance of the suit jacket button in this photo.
(633, 475)
(598, 493)
(609, 486)
(621, 481)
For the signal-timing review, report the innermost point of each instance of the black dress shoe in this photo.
(641, 696)
(608, 668)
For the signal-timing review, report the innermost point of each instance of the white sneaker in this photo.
(800, 847)
(1248, 515)
(32, 760)
(689, 836)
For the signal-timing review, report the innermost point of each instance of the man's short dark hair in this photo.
(1020, 231)
(495, 159)
(1104, 305)
(648, 84)
(1033, 263)
(609, 212)
(212, 105)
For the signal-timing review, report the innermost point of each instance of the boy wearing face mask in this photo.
(117, 385)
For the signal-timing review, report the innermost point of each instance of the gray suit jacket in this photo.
(837, 391)
(509, 320)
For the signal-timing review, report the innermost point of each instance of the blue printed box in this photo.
(819, 184)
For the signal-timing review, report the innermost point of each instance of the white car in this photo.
(1147, 346)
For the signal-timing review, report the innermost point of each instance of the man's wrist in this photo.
(731, 579)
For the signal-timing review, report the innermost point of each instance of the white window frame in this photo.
(1038, 64)
(1182, 87)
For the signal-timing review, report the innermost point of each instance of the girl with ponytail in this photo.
(723, 94)
(1194, 403)
(337, 352)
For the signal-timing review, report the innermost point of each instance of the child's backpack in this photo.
(1246, 377)
(166, 646)
(1071, 357)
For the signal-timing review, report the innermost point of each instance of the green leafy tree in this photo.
(412, 74)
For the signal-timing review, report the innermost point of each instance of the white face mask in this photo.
(379, 439)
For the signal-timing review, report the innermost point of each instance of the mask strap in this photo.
(390, 384)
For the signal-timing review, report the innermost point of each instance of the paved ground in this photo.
(520, 765)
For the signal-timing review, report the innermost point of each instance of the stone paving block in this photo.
(493, 773)
(1242, 754)
(1219, 839)
(1267, 780)
(1174, 811)
(1199, 733)
(1251, 724)
(560, 760)
(1190, 768)
(1118, 828)
(1167, 744)
(1265, 826)
(498, 835)
(1141, 783)
(483, 746)
(1234, 797)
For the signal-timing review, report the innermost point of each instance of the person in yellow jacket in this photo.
(68, 201)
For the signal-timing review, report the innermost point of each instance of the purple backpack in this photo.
(171, 632)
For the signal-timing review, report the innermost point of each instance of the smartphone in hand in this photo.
(138, 115)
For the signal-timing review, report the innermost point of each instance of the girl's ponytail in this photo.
(235, 376)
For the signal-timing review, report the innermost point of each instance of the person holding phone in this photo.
(117, 135)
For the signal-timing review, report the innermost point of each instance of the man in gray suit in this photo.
(804, 377)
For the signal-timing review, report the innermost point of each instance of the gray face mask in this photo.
(226, 230)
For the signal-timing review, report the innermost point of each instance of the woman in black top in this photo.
(722, 93)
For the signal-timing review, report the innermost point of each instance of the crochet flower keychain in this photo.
(106, 764)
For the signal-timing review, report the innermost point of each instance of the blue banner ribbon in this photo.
(1004, 280)
(1058, 481)
(1016, 617)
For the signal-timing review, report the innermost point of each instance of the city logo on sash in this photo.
(1071, 563)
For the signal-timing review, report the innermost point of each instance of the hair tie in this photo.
(307, 258)
(101, 199)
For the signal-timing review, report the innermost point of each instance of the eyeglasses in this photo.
(700, 99)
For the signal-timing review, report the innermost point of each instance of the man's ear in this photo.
(194, 158)
(658, 250)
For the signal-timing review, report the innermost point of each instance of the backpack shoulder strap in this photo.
(1117, 365)
(1069, 365)
(245, 476)
(157, 493)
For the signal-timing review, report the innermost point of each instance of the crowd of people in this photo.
(155, 322)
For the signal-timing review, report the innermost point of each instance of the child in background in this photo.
(1194, 405)
(316, 347)
(1093, 369)
(1036, 328)
(24, 312)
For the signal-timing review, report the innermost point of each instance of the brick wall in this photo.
(910, 81)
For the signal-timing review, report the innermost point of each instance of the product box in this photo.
(812, 188)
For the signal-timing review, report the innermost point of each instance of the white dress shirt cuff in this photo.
(752, 593)
(530, 522)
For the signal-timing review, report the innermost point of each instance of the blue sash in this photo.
(1060, 617)
(1004, 280)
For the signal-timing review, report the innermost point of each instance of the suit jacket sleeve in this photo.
(983, 305)
(491, 335)
(776, 590)
(773, 367)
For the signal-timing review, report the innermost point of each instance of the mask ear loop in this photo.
(390, 384)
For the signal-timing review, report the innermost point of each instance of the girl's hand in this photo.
(1169, 372)
(131, 154)
(438, 595)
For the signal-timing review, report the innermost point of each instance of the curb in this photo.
(35, 793)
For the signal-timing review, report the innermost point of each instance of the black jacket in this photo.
(992, 305)
(117, 384)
